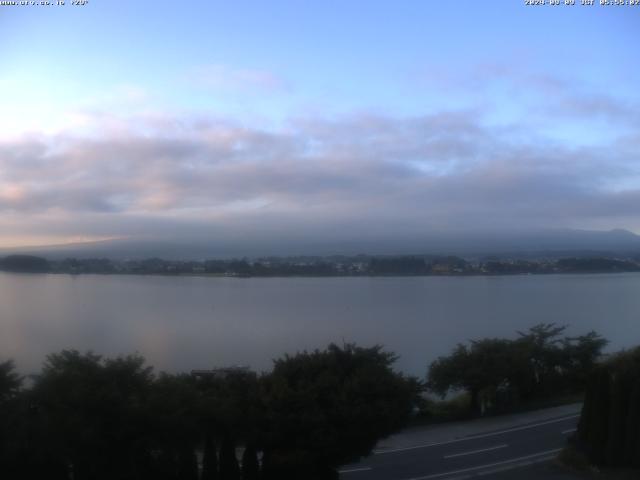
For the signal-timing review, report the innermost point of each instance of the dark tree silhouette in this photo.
(609, 427)
(91, 412)
(10, 381)
(209, 459)
(537, 364)
(187, 464)
(24, 263)
(250, 465)
(98, 418)
(330, 407)
(229, 468)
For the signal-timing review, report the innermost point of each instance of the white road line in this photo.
(474, 437)
(353, 470)
(525, 463)
(488, 465)
(571, 430)
(488, 449)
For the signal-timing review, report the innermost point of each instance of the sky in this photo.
(315, 121)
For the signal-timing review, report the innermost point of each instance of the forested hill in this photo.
(24, 263)
(359, 265)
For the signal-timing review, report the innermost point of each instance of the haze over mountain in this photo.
(547, 243)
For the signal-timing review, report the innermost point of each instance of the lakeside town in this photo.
(358, 265)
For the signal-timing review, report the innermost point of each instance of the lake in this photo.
(181, 323)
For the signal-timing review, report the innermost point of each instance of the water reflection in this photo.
(191, 322)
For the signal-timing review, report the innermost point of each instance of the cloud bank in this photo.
(356, 176)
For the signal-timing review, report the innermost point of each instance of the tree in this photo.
(580, 355)
(173, 423)
(398, 266)
(209, 459)
(541, 345)
(327, 408)
(632, 437)
(229, 468)
(481, 368)
(499, 372)
(230, 410)
(609, 427)
(24, 263)
(10, 381)
(250, 465)
(10, 433)
(187, 463)
(91, 413)
(594, 429)
(619, 405)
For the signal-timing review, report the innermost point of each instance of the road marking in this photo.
(474, 437)
(488, 465)
(353, 470)
(571, 430)
(525, 463)
(476, 451)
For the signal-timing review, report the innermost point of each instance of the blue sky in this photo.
(334, 55)
(434, 112)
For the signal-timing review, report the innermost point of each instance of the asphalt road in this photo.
(481, 454)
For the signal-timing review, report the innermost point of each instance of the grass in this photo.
(457, 408)
(440, 411)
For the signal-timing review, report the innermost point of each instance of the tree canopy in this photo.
(498, 373)
(10, 381)
(330, 407)
(100, 418)
(609, 427)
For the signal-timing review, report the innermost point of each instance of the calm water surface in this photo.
(180, 323)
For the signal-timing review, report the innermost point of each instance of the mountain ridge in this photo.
(565, 242)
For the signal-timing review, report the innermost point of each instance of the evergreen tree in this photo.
(229, 468)
(250, 465)
(209, 459)
(187, 464)
(10, 381)
(620, 393)
(632, 438)
(609, 427)
(167, 465)
(327, 408)
(585, 424)
(598, 429)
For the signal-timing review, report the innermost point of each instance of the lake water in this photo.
(180, 323)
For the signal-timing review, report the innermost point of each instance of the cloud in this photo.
(531, 92)
(599, 106)
(361, 175)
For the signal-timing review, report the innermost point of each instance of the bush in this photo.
(328, 408)
(609, 428)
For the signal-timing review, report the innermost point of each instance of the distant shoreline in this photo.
(357, 266)
(245, 277)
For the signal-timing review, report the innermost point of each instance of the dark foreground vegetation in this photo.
(359, 265)
(498, 375)
(84, 417)
(609, 429)
(90, 418)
